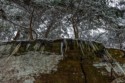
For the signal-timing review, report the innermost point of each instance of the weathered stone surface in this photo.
(24, 67)
(51, 61)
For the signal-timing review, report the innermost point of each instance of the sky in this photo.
(113, 3)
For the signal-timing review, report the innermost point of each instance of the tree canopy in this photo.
(100, 20)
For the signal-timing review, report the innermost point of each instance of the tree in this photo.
(51, 19)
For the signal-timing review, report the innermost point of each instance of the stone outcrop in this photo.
(51, 61)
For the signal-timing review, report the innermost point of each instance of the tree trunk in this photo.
(30, 27)
(47, 32)
(75, 28)
(49, 28)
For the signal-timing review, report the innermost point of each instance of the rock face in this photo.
(21, 69)
(50, 61)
